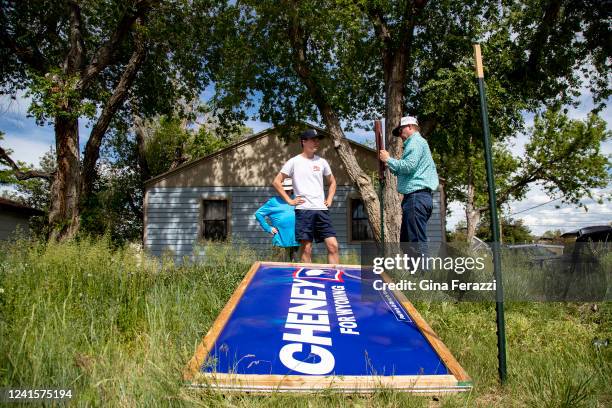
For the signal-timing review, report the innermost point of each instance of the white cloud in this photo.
(556, 215)
(457, 210)
(257, 125)
(27, 150)
(540, 214)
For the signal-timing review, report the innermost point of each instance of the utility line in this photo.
(548, 202)
(536, 206)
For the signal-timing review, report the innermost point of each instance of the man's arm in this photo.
(278, 186)
(407, 163)
(331, 191)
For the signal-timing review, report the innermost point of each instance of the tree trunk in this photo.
(473, 218)
(140, 130)
(472, 213)
(395, 58)
(364, 183)
(501, 223)
(64, 212)
(395, 76)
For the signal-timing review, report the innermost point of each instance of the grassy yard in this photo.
(118, 330)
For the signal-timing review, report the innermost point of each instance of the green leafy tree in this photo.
(84, 59)
(31, 191)
(341, 62)
(513, 231)
(15, 173)
(562, 155)
(554, 235)
(169, 141)
(132, 156)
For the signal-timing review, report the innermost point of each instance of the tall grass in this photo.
(118, 327)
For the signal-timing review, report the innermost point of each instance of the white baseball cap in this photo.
(405, 121)
(287, 184)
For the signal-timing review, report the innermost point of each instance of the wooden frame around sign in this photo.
(457, 380)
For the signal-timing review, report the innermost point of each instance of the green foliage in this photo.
(161, 149)
(562, 155)
(179, 42)
(34, 192)
(116, 206)
(6, 175)
(555, 235)
(344, 54)
(513, 231)
(536, 53)
(172, 138)
(565, 155)
(55, 95)
(118, 327)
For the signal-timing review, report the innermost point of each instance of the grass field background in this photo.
(117, 328)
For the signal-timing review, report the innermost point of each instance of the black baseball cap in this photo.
(310, 134)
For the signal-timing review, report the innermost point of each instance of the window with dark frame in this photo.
(360, 225)
(214, 220)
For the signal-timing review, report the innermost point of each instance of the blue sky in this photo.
(29, 142)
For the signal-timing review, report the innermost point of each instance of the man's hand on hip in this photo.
(273, 231)
(296, 201)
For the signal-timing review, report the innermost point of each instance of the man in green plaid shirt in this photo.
(417, 178)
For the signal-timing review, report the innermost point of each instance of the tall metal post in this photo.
(499, 294)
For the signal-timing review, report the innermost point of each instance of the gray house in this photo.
(215, 197)
(14, 217)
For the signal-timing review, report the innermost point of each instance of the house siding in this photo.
(11, 222)
(173, 217)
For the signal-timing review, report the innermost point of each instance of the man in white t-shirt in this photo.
(312, 222)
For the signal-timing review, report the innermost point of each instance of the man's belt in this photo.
(423, 190)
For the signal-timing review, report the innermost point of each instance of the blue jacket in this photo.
(282, 217)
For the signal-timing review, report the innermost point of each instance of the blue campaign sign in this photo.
(310, 322)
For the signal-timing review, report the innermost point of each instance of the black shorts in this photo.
(313, 225)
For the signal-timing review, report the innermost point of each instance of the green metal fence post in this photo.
(499, 294)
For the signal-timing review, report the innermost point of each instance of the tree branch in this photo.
(139, 130)
(23, 175)
(551, 15)
(92, 149)
(135, 209)
(539, 42)
(76, 56)
(106, 53)
(382, 30)
(407, 26)
(29, 55)
(378, 20)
